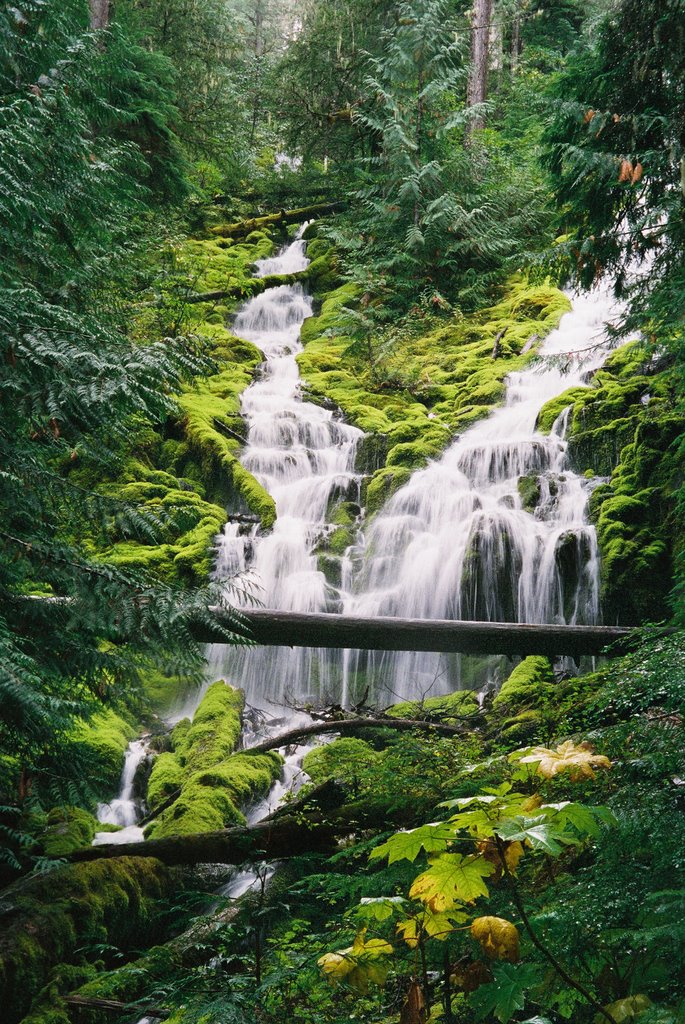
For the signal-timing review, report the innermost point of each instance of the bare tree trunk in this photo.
(100, 12)
(477, 90)
(515, 38)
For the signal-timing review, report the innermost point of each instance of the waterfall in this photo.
(305, 457)
(124, 810)
(455, 542)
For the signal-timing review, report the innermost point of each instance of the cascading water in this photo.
(124, 810)
(456, 542)
(305, 458)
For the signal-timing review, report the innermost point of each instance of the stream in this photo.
(455, 542)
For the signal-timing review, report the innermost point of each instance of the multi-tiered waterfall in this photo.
(455, 542)
(305, 457)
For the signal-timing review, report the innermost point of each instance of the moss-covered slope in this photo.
(623, 427)
(434, 384)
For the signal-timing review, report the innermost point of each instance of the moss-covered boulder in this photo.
(47, 919)
(623, 427)
(209, 781)
(67, 829)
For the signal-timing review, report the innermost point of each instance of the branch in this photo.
(352, 725)
(114, 1006)
(539, 945)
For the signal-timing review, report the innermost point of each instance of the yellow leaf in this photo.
(451, 881)
(359, 965)
(626, 1009)
(499, 938)
(576, 759)
(435, 925)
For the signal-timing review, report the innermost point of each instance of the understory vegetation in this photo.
(456, 171)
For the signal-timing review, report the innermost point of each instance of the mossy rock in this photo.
(531, 682)
(529, 491)
(105, 738)
(383, 485)
(450, 708)
(344, 759)
(43, 923)
(68, 829)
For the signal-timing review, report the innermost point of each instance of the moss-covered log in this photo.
(240, 229)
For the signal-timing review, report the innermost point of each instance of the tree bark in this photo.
(387, 633)
(477, 89)
(100, 13)
(353, 725)
(515, 38)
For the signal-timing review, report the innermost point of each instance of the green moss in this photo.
(212, 782)
(106, 738)
(67, 829)
(448, 708)
(530, 682)
(342, 759)
(166, 779)
(383, 485)
(529, 491)
(49, 918)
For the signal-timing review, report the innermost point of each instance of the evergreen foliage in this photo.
(81, 132)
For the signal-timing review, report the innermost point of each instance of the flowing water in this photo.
(125, 810)
(305, 457)
(455, 542)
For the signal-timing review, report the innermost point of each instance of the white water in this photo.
(124, 810)
(304, 456)
(456, 543)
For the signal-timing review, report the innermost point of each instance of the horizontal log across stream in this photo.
(386, 633)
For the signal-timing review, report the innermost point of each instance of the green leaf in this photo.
(504, 996)
(378, 908)
(407, 845)
(586, 820)
(538, 831)
(452, 880)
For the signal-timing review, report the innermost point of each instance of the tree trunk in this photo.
(100, 12)
(477, 90)
(515, 38)
(388, 633)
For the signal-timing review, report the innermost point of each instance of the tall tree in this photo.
(477, 90)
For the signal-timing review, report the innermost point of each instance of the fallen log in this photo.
(274, 839)
(244, 227)
(114, 1006)
(252, 286)
(386, 633)
(353, 725)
